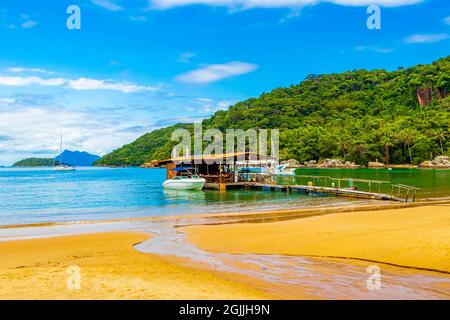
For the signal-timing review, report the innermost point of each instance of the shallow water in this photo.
(38, 195)
(434, 183)
(291, 275)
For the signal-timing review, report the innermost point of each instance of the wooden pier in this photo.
(399, 192)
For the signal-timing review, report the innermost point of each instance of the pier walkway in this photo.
(398, 192)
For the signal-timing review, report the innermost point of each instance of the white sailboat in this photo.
(62, 166)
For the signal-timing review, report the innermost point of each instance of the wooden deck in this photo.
(343, 192)
(317, 190)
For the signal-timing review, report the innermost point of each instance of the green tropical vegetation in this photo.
(401, 116)
(35, 162)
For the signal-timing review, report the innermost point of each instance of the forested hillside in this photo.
(36, 162)
(397, 117)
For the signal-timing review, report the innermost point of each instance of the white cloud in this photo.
(94, 84)
(31, 70)
(186, 57)
(447, 20)
(204, 100)
(138, 18)
(77, 84)
(208, 106)
(14, 81)
(108, 5)
(216, 72)
(82, 130)
(426, 38)
(247, 4)
(374, 49)
(28, 23)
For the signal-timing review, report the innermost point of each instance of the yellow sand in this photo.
(414, 237)
(110, 269)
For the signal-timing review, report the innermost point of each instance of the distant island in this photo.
(398, 117)
(73, 158)
(35, 162)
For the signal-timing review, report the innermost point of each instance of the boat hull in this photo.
(64, 169)
(188, 184)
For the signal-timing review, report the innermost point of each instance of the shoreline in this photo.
(108, 267)
(240, 217)
(367, 236)
(239, 273)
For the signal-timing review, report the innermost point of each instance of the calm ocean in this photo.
(42, 195)
(30, 195)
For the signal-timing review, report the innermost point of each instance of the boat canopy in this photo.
(182, 169)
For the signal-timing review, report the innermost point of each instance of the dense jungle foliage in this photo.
(358, 116)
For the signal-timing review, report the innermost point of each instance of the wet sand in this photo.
(110, 269)
(416, 238)
(292, 259)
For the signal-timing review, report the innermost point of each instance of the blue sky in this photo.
(138, 65)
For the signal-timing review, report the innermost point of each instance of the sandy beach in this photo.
(411, 237)
(415, 239)
(110, 269)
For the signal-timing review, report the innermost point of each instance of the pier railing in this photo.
(410, 191)
(324, 185)
(349, 187)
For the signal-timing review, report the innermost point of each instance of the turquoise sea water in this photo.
(433, 183)
(42, 195)
(31, 195)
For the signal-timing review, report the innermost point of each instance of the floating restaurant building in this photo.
(222, 171)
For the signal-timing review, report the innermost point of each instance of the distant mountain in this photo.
(35, 162)
(73, 158)
(77, 158)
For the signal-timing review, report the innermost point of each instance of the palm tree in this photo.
(440, 134)
(343, 143)
(408, 137)
(360, 148)
(387, 141)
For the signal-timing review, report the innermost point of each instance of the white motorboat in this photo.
(191, 182)
(285, 170)
(62, 166)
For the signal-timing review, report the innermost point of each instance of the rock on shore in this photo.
(331, 163)
(438, 162)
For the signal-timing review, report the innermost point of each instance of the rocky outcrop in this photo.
(292, 163)
(152, 164)
(375, 164)
(438, 162)
(331, 163)
(424, 96)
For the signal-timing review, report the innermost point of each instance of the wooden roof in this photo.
(215, 157)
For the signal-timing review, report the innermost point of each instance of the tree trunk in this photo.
(409, 151)
(387, 155)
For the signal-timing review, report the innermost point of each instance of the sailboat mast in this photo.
(60, 153)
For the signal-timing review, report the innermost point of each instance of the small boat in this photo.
(185, 181)
(192, 182)
(285, 170)
(62, 166)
